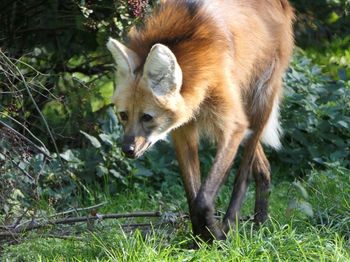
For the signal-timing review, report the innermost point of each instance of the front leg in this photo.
(185, 140)
(203, 206)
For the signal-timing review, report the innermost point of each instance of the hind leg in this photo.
(241, 183)
(265, 115)
(257, 164)
(261, 172)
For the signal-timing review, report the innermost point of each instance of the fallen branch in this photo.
(34, 224)
(9, 235)
(37, 220)
(78, 210)
(144, 225)
(101, 217)
(45, 151)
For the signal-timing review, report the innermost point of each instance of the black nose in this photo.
(129, 150)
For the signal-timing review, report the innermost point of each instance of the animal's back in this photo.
(247, 36)
(194, 34)
(200, 33)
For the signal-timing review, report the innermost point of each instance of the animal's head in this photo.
(147, 96)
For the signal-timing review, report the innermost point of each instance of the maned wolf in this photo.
(213, 68)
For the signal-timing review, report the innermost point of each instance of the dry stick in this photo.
(37, 108)
(100, 217)
(37, 139)
(13, 235)
(67, 237)
(26, 139)
(9, 234)
(22, 225)
(21, 217)
(17, 165)
(144, 224)
(125, 226)
(34, 224)
(78, 209)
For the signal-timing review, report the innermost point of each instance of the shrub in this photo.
(315, 119)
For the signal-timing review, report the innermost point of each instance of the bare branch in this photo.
(34, 224)
(144, 224)
(18, 166)
(77, 210)
(37, 108)
(19, 123)
(25, 139)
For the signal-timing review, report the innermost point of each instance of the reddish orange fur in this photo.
(232, 54)
(243, 35)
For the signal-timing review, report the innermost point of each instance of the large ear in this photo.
(126, 59)
(162, 72)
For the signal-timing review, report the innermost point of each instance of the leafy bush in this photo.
(320, 20)
(315, 119)
(104, 159)
(333, 57)
(321, 28)
(54, 83)
(59, 48)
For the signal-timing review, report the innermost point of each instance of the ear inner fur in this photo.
(161, 71)
(126, 59)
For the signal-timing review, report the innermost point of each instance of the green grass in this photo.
(325, 236)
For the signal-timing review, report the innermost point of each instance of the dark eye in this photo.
(146, 118)
(123, 116)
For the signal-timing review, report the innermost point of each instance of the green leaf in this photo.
(6, 208)
(301, 189)
(318, 160)
(302, 206)
(116, 174)
(112, 116)
(101, 170)
(69, 156)
(106, 139)
(306, 208)
(343, 124)
(143, 172)
(92, 139)
(333, 17)
(342, 74)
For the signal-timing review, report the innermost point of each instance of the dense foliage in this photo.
(322, 29)
(315, 119)
(65, 42)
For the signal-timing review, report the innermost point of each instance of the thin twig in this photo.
(19, 123)
(100, 217)
(18, 166)
(25, 138)
(144, 224)
(9, 234)
(66, 237)
(23, 225)
(77, 210)
(37, 108)
(33, 224)
(21, 217)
